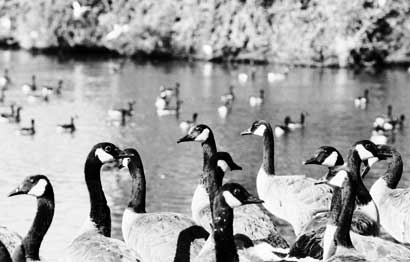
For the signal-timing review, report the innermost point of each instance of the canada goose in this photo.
(40, 187)
(225, 109)
(5, 80)
(365, 218)
(252, 221)
(392, 202)
(79, 10)
(295, 125)
(93, 242)
(257, 100)
(362, 101)
(154, 236)
(226, 199)
(117, 113)
(49, 90)
(228, 96)
(277, 76)
(5, 117)
(16, 118)
(28, 88)
(379, 136)
(4, 253)
(281, 130)
(27, 131)
(2, 95)
(337, 240)
(70, 128)
(10, 241)
(385, 122)
(187, 124)
(34, 97)
(303, 199)
(168, 110)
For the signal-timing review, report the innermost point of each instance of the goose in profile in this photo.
(68, 128)
(49, 90)
(28, 88)
(257, 100)
(296, 125)
(385, 121)
(187, 124)
(302, 197)
(35, 97)
(339, 243)
(93, 242)
(393, 203)
(154, 235)
(6, 116)
(365, 218)
(28, 131)
(40, 187)
(169, 110)
(230, 96)
(281, 130)
(362, 101)
(252, 221)
(118, 113)
(5, 80)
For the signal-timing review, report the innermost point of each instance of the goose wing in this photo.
(154, 236)
(10, 239)
(94, 247)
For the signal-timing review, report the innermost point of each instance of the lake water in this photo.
(172, 170)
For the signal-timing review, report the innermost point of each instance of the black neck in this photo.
(137, 202)
(223, 231)
(268, 151)
(335, 206)
(209, 149)
(100, 212)
(185, 238)
(42, 221)
(394, 170)
(354, 163)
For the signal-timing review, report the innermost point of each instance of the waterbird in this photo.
(281, 130)
(93, 243)
(28, 131)
(252, 221)
(6, 116)
(69, 128)
(5, 80)
(230, 96)
(225, 109)
(362, 101)
(40, 187)
(185, 125)
(118, 113)
(28, 88)
(141, 229)
(47, 90)
(296, 125)
(257, 100)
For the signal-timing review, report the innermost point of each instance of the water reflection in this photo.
(91, 89)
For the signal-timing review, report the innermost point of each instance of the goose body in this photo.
(68, 128)
(188, 124)
(302, 197)
(228, 97)
(362, 101)
(224, 110)
(93, 242)
(40, 187)
(154, 236)
(257, 100)
(28, 88)
(5, 117)
(273, 77)
(49, 90)
(254, 222)
(13, 117)
(27, 131)
(118, 113)
(10, 240)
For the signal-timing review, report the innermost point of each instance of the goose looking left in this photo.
(93, 243)
(28, 131)
(252, 221)
(154, 235)
(226, 199)
(303, 199)
(70, 128)
(40, 187)
(338, 243)
(393, 203)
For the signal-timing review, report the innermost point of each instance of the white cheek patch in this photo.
(260, 130)
(231, 200)
(372, 161)
(203, 136)
(363, 153)
(223, 165)
(125, 161)
(328, 241)
(39, 189)
(103, 156)
(330, 161)
(339, 178)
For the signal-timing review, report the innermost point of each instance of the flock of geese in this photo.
(335, 218)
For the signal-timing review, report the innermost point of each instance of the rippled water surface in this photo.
(172, 170)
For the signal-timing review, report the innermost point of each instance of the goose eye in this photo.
(236, 191)
(32, 181)
(107, 149)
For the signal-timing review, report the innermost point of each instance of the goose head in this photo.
(369, 153)
(106, 152)
(236, 195)
(131, 158)
(225, 162)
(325, 156)
(199, 133)
(258, 128)
(35, 186)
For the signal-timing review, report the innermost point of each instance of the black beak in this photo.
(235, 167)
(17, 191)
(253, 200)
(186, 138)
(246, 132)
(311, 161)
(122, 155)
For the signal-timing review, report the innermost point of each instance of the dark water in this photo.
(172, 170)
